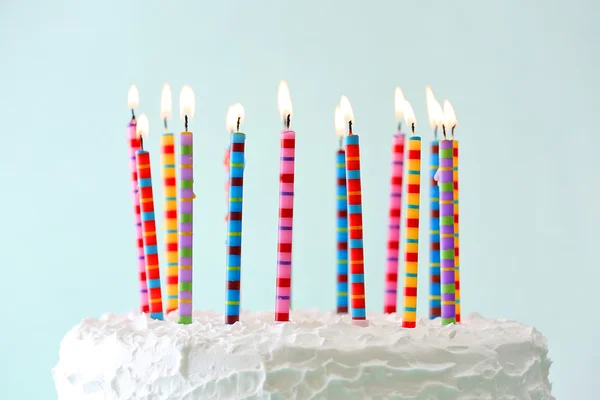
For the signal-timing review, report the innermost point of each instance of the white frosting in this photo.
(318, 355)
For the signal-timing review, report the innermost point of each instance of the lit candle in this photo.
(187, 105)
(148, 221)
(235, 116)
(167, 160)
(435, 120)
(358, 308)
(283, 289)
(134, 146)
(395, 210)
(413, 202)
(342, 216)
(446, 183)
(450, 118)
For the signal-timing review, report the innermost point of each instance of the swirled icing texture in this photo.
(317, 356)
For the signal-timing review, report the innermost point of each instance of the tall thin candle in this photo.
(342, 218)
(283, 290)
(413, 202)
(134, 146)
(169, 175)
(186, 196)
(235, 116)
(358, 308)
(149, 223)
(395, 210)
(446, 183)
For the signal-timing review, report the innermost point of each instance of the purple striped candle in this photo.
(446, 184)
(186, 207)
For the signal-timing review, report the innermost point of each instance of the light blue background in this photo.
(523, 77)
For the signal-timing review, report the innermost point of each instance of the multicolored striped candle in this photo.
(234, 227)
(186, 207)
(456, 230)
(149, 224)
(446, 183)
(167, 160)
(283, 288)
(342, 233)
(358, 308)
(134, 146)
(435, 303)
(394, 217)
(413, 202)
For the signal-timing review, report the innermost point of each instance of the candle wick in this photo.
(435, 131)
(141, 142)
(287, 121)
(165, 122)
(444, 130)
(238, 124)
(341, 143)
(133, 114)
(186, 123)
(453, 126)
(413, 128)
(350, 127)
(399, 126)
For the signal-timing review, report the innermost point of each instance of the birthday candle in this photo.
(358, 308)
(342, 220)
(286, 208)
(186, 209)
(234, 227)
(395, 211)
(435, 304)
(446, 182)
(413, 201)
(167, 144)
(436, 119)
(134, 146)
(450, 119)
(149, 224)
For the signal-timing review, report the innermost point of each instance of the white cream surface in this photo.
(319, 355)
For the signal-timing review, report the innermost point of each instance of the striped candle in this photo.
(446, 183)
(186, 197)
(149, 234)
(234, 228)
(435, 304)
(342, 233)
(456, 236)
(170, 214)
(134, 146)
(355, 235)
(394, 217)
(286, 214)
(411, 250)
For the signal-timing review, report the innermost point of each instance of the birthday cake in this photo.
(318, 355)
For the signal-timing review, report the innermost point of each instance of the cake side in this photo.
(317, 355)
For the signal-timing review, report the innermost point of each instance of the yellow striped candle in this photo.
(170, 214)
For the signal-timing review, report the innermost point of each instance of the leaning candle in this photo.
(413, 201)
(450, 118)
(134, 146)
(446, 182)
(436, 118)
(186, 196)
(355, 224)
(395, 211)
(167, 144)
(342, 218)
(149, 223)
(286, 208)
(235, 116)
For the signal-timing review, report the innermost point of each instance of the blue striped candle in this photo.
(435, 293)
(342, 234)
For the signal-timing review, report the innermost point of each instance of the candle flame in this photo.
(346, 108)
(449, 116)
(166, 102)
(398, 103)
(409, 114)
(284, 100)
(133, 97)
(434, 110)
(187, 103)
(340, 122)
(235, 111)
(143, 127)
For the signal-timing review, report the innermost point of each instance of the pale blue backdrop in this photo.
(523, 77)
